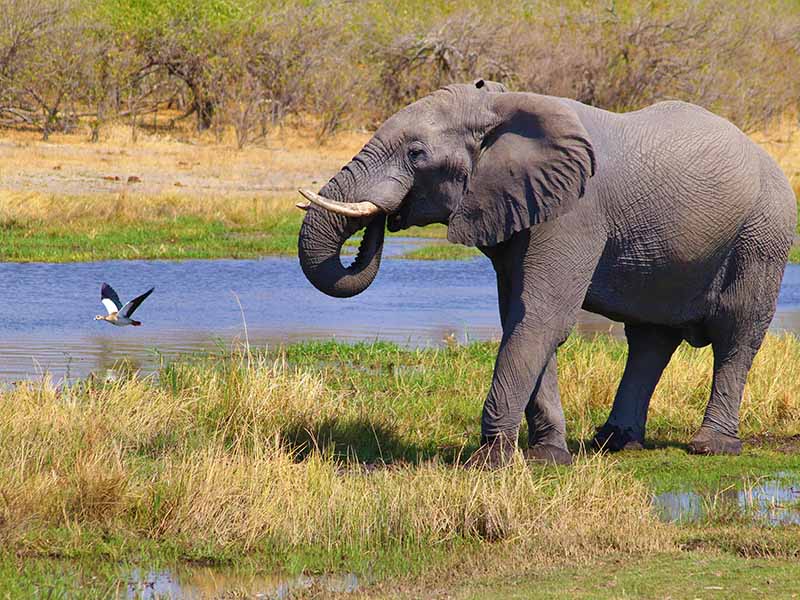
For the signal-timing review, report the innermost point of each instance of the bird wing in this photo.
(110, 299)
(130, 307)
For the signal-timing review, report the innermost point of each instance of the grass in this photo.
(442, 252)
(330, 457)
(48, 228)
(40, 228)
(70, 201)
(688, 575)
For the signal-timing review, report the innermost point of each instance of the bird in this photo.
(118, 314)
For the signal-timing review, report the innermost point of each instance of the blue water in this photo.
(775, 501)
(47, 310)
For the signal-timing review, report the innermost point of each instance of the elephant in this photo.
(668, 219)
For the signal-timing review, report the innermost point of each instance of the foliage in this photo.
(249, 64)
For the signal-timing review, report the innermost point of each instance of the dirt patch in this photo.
(782, 444)
(158, 166)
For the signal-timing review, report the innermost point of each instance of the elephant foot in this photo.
(548, 455)
(707, 441)
(494, 453)
(613, 439)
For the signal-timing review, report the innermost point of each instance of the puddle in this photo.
(773, 501)
(183, 584)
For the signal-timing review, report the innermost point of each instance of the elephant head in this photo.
(485, 162)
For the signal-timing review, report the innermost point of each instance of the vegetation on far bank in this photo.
(174, 198)
(48, 228)
(329, 457)
(68, 64)
(43, 228)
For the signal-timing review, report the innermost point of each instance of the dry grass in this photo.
(247, 453)
(782, 142)
(35, 210)
(170, 163)
(590, 373)
(202, 461)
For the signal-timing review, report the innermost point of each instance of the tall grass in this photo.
(339, 452)
(211, 459)
(20, 209)
(591, 371)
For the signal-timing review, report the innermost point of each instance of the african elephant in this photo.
(668, 219)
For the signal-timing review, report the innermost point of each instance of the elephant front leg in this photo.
(547, 440)
(543, 275)
(520, 365)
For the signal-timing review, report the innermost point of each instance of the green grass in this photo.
(182, 238)
(691, 574)
(275, 462)
(672, 469)
(442, 252)
(687, 575)
(39, 228)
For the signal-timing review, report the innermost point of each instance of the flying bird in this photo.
(118, 314)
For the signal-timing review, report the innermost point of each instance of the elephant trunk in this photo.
(324, 232)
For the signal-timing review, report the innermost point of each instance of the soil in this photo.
(782, 444)
(163, 168)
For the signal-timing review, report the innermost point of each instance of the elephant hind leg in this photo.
(650, 348)
(719, 433)
(737, 329)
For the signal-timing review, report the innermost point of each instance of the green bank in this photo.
(331, 458)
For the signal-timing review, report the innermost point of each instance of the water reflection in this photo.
(774, 501)
(194, 309)
(185, 584)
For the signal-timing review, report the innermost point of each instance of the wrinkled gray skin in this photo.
(668, 219)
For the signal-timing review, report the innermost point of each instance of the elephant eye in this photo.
(416, 153)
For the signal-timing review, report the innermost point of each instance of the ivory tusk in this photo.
(303, 205)
(347, 209)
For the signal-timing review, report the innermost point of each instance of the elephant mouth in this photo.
(395, 222)
(399, 219)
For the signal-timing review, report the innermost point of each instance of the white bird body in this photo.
(119, 314)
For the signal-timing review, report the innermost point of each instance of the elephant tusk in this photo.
(303, 205)
(348, 209)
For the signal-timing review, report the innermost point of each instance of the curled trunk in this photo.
(324, 233)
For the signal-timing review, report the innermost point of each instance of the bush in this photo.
(248, 65)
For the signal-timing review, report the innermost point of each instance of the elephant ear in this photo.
(533, 165)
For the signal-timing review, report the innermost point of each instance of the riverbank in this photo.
(325, 457)
(179, 195)
(129, 226)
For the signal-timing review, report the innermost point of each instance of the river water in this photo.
(47, 310)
